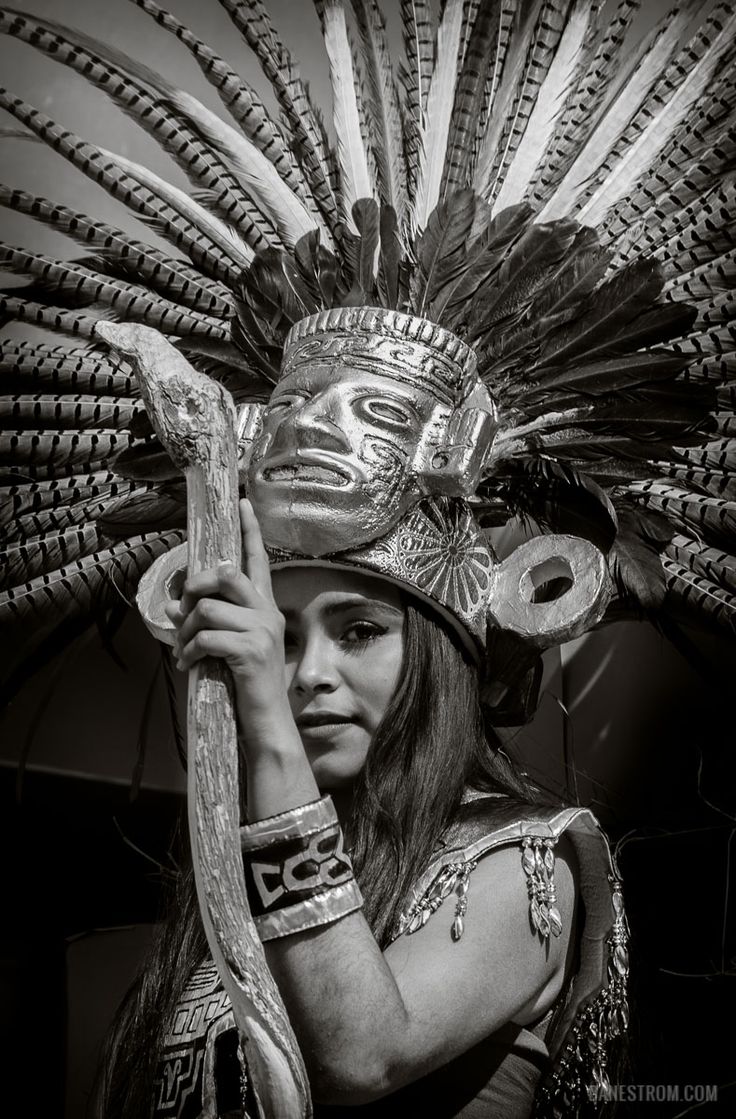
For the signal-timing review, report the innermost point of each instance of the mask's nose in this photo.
(321, 423)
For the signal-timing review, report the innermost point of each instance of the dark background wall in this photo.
(626, 724)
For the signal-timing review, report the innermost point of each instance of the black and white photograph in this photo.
(368, 559)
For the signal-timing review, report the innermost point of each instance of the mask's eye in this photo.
(387, 412)
(284, 403)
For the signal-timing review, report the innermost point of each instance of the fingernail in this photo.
(226, 565)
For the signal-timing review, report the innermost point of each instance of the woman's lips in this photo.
(323, 725)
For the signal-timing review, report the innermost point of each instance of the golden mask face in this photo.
(338, 461)
(364, 422)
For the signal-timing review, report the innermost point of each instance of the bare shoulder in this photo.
(501, 969)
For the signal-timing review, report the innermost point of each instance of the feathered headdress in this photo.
(521, 179)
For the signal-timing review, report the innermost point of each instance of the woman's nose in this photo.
(314, 672)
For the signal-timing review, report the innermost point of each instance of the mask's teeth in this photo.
(307, 472)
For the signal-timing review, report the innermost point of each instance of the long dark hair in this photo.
(432, 743)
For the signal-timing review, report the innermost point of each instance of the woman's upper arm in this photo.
(499, 971)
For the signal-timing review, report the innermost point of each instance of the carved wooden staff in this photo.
(194, 417)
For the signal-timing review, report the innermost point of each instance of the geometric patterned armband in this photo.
(297, 873)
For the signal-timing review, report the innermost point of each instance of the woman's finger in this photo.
(174, 612)
(232, 647)
(209, 613)
(224, 581)
(207, 643)
(256, 558)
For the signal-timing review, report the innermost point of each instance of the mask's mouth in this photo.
(308, 470)
(323, 475)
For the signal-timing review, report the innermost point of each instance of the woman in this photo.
(489, 269)
(350, 687)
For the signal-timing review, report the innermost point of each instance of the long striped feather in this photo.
(418, 31)
(504, 32)
(414, 79)
(87, 289)
(439, 113)
(478, 41)
(699, 148)
(687, 238)
(670, 77)
(57, 319)
(27, 455)
(711, 563)
(63, 369)
(543, 45)
(36, 556)
(644, 69)
(285, 210)
(201, 165)
(252, 21)
(662, 124)
(25, 410)
(548, 103)
(715, 275)
(200, 221)
(712, 518)
(498, 120)
(274, 197)
(599, 64)
(170, 277)
(95, 579)
(355, 178)
(383, 104)
(240, 99)
(33, 503)
(174, 222)
(703, 598)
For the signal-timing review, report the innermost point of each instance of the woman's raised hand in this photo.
(230, 614)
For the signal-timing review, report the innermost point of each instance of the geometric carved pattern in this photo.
(201, 1074)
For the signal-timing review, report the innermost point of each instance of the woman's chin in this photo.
(336, 762)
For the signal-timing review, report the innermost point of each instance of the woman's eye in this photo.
(360, 633)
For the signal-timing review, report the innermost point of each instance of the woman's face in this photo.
(344, 651)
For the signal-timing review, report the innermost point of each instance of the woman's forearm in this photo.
(346, 1010)
(341, 996)
(278, 776)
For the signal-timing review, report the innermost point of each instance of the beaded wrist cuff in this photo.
(297, 873)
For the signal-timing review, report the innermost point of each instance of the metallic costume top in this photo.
(203, 1073)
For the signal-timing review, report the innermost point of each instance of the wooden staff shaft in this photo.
(195, 419)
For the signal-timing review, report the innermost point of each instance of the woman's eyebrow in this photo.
(360, 603)
(345, 604)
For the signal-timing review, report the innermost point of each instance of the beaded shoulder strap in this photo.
(594, 1012)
